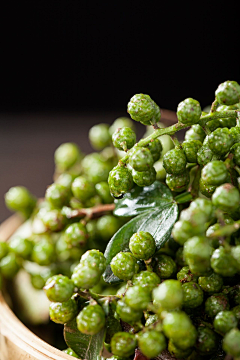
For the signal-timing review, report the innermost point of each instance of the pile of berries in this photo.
(181, 298)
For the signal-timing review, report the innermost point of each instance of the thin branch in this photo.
(91, 212)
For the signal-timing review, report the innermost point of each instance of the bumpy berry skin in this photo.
(9, 266)
(120, 123)
(206, 190)
(141, 159)
(91, 319)
(235, 150)
(99, 136)
(148, 279)
(75, 235)
(94, 259)
(228, 93)
(59, 288)
(142, 245)
(226, 197)
(224, 322)
(196, 132)
(174, 161)
(220, 141)
(18, 198)
(70, 352)
(155, 148)
(54, 220)
(120, 181)
(126, 313)
(216, 303)
(123, 265)
(211, 284)
(189, 111)
(3, 249)
(206, 341)
(178, 327)
(197, 253)
(144, 178)
(123, 344)
(151, 343)
(82, 188)
(137, 297)
(223, 263)
(235, 132)
(85, 277)
(107, 226)
(168, 295)
(185, 275)
(178, 183)
(190, 149)
(102, 190)
(43, 252)
(62, 312)
(192, 295)
(204, 205)
(214, 173)
(57, 195)
(124, 139)
(66, 156)
(231, 343)
(179, 353)
(141, 108)
(165, 266)
(21, 247)
(205, 155)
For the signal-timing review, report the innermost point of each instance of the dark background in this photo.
(66, 65)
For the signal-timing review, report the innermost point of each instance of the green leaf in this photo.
(157, 221)
(140, 200)
(87, 347)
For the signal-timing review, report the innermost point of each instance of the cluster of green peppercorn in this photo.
(185, 299)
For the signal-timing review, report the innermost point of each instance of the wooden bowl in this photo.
(17, 342)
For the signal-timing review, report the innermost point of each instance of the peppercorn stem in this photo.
(214, 106)
(91, 212)
(219, 115)
(226, 230)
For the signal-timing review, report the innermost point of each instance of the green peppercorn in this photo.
(91, 319)
(70, 352)
(58, 195)
(192, 295)
(182, 231)
(142, 245)
(62, 312)
(207, 340)
(123, 265)
(120, 181)
(38, 280)
(197, 253)
(148, 279)
(168, 295)
(82, 188)
(185, 275)
(141, 108)
(191, 148)
(43, 252)
(123, 344)
(102, 190)
(141, 159)
(179, 353)
(235, 150)
(99, 136)
(189, 111)
(165, 266)
(196, 132)
(120, 123)
(211, 284)
(226, 197)
(235, 132)
(18, 198)
(224, 322)
(96, 169)
(223, 262)
(137, 297)
(216, 303)
(3, 249)
(180, 258)
(231, 343)
(75, 235)
(65, 180)
(9, 266)
(174, 161)
(66, 156)
(107, 226)
(178, 183)
(94, 259)
(127, 313)
(93, 201)
(151, 343)
(204, 205)
(214, 173)
(155, 148)
(54, 220)
(64, 252)
(220, 141)
(205, 155)
(144, 178)
(59, 288)
(21, 247)
(228, 93)
(206, 190)
(85, 277)
(124, 139)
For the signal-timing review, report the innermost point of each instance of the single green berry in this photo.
(148, 279)
(124, 138)
(214, 173)
(137, 297)
(144, 178)
(103, 191)
(196, 132)
(224, 322)
(211, 284)
(185, 275)
(123, 265)
(63, 312)
(59, 288)
(180, 258)
(99, 136)
(93, 201)
(168, 295)
(235, 132)
(223, 263)
(126, 313)
(66, 156)
(151, 343)
(231, 343)
(184, 229)
(216, 303)
(220, 141)
(205, 155)
(65, 180)
(96, 168)
(107, 226)
(54, 220)
(165, 267)
(189, 111)
(206, 190)
(179, 353)
(94, 259)
(120, 123)
(192, 295)
(43, 252)
(142, 108)
(82, 188)
(58, 195)
(85, 277)
(235, 150)
(123, 344)
(120, 181)
(155, 148)
(228, 93)
(207, 340)
(21, 247)
(191, 148)
(70, 352)
(9, 266)
(174, 161)
(226, 197)
(3, 249)
(91, 319)
(142, 245)
(18, 198)
(178, 183)
(75, 235)
(197, 253)
(38, 280)
(141, 159)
